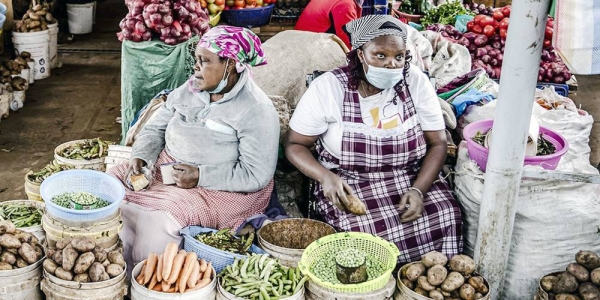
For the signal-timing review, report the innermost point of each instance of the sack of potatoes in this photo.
(439, 278)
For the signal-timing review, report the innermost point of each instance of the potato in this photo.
(588, 259)
(50, 252)
(63, 243)
(100, 254)
(566, 297)
(116, 257)
(579, 271)
(434, 258)
(422, 292)
(595, 276)
(414, 271)
(26, 237)
(63, 274)
(28, 254)
(436, 274)
(424, 284)
(436, 295)
(444, 293)
(21, 263)
(548, 282)
(478, 296)
(467, 292)
(8, 240)
(50, 265)
(83, 262)
(7, 227)
(83, 244)
(82, 277)
(588, 291)
(409, 284)
(478, 284)
(462, 264)
(114, 270)
(106, 263)
(452, 282)
(58, 257)
(4, 266)
(566, 283)
(69, 256)
(8, 257)
(39, 251)
(355, 205)
(14, 251)
(97, 272)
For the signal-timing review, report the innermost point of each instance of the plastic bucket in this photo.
(36, 230)
(23, 283)
(32, 189)
(17, 100)
(37, 44)
(92, 164)
(31, 78)
(2, 9)
(25, 75)
(53, 32)
(222, 294)
(104, 232)
(58, 289)
(139, 292)
(80, 17)
(315, 292)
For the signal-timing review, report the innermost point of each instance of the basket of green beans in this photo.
(26, 215)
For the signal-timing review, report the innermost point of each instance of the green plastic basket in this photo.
(461, 22)
(372, 245)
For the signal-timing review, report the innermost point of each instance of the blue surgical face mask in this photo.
(383, 78)
(223, 81)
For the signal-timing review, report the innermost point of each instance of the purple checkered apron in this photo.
(380, 167)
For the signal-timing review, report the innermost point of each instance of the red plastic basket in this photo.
(479, 153)
(405, 18)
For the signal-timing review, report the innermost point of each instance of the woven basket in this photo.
(371, 245)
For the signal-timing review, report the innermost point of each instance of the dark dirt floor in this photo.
(82, 100)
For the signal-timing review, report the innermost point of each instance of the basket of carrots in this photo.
(174, 271)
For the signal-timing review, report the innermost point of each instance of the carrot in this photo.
(168, 257)
(176, 270)
(186, 272)
(202, 283)
(150, 267)
(159, 268)
(208, 272)
(165, 286)
(153, 281)
(140, 278)
(203, 265)
(157, 288)
(195, 275)
(171, 290)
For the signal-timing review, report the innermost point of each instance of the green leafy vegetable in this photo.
(444, 14)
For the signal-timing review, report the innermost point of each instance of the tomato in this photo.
(498, 15)
(503, 32)
(547, 43)
(238, 7)
(478, 18)
(506, 11)
(219, 2)
(549, 32)
(229, 3)
(470, 25)
(496, 24)
(489, 30)
(477, 29)
(240, 3)
(486, 21)
(504, 23)
(203, 4)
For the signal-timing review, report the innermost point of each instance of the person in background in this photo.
(379, 134)
(328, 16)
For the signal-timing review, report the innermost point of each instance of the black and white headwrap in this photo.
(365, 29)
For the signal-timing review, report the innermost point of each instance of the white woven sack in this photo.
(577, 35)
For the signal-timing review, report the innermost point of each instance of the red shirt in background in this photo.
(328, 16)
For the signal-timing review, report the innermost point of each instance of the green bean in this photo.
(80, 200)
(224, 240)
(21, 215)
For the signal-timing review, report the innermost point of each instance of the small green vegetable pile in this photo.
(46, 171)
(445, 13)
(325, 267)
(350, 258)
(544, 147)
(224, 240)
(80, 200)
(21, 215)
(86, 150)
(261, 277)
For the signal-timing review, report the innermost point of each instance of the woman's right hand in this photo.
(335, 189)
(135, 167)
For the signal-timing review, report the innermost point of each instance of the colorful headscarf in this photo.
(237, 43)
(365, 29)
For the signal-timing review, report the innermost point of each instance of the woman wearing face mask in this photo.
(221, 131)
(379, 135)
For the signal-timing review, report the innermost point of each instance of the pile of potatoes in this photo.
(18, 249)
(80, 260)
(438, 278)
(580, 281)
(35, 19)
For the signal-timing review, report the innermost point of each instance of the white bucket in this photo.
(25, 75)
(53, 32)
(315, 292)
(58, 289)
(92, 164)
(222, 294)
(17, 100)
(31, 65)
(37, 44)
(80, 17)
(139, 292)
(22, 284)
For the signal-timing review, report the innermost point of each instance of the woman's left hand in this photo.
(415, 206)
(185, 176)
